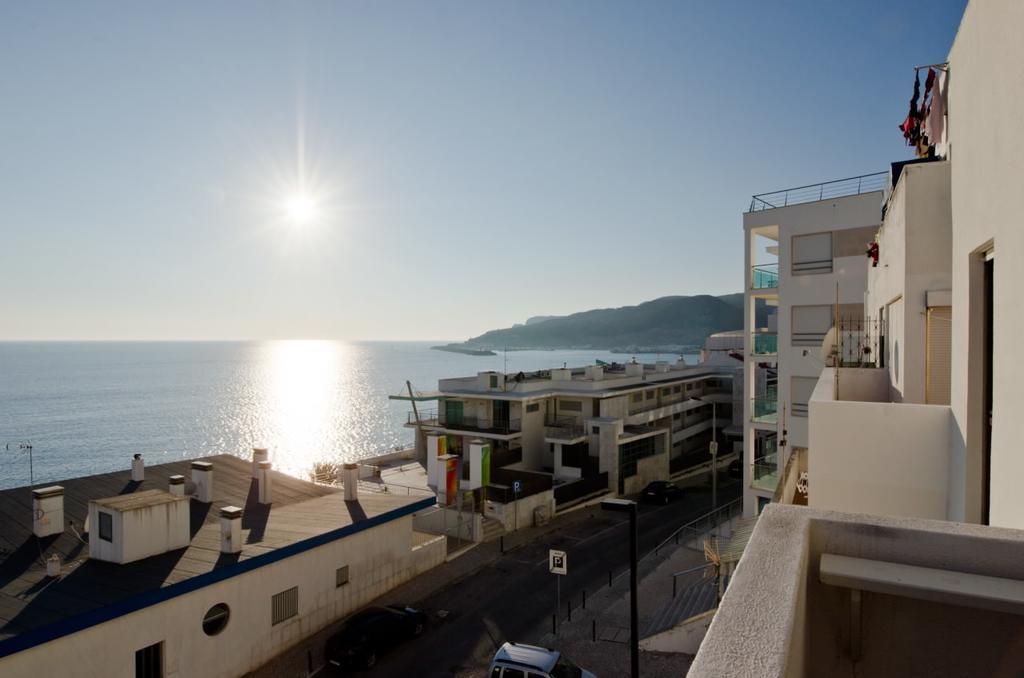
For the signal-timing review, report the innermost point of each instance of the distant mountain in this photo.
(669, 323)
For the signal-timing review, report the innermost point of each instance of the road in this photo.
(514, 596)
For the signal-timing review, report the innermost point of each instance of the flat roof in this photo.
(138, 500)
(35, 609)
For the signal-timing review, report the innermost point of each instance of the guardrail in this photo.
(839, 188)
(465, 422)
(703, 524)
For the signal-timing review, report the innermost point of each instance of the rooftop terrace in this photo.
(838, 188)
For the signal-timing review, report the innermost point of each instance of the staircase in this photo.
(492, 529)
(695, 599)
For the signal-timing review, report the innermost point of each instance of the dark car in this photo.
(661, 492)
(736, 469)
(369, 633)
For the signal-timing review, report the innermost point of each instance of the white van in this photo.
(516, 660)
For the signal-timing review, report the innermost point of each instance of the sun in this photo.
(301, 208)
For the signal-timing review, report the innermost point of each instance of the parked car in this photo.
(661, 492)
(516, 660)
(736, 469)
(369, 633)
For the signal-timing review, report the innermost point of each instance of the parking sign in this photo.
(558, 562)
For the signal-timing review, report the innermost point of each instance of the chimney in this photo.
(258, 454)
(351, 472)
(48, 511)
(138, 469)
(661, 366)
(634, 369)
(231, 529)
(264, 482)
(176, 485)
(202, 476)
(53, 566)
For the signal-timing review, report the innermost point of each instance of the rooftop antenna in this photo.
(25, 447)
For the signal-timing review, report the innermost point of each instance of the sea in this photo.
(70, 409)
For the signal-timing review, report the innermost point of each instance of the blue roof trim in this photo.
(101, 615)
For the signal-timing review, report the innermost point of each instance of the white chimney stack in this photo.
(351, 472)
(258, 454)
(48, 511)
(231, 529)
(264, 482)
(53, 566)
(202, 476)
(176, 485)
(138, 469)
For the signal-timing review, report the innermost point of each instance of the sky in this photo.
(460, 166)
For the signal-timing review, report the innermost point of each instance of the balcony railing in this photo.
(466, 422)
(839, 188)
(764, 410)
(764, 276)
(763, 343)
(563, 428)
(765, 474)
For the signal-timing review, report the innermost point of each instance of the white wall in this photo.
(987, 155)
(877, 457)
(379, 559)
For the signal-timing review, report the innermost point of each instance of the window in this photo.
(106, 526)
(677, 389)
(284, 605)
(494, 381)
(630, 453)
(571, 406)
(811, 324)
(650, 395)
(812, 254)
(533, 407)
(149, 661)
(800, 396)
(513, 673)
(666, 391)
(341, 576)
(595, 430)
(216, 619)
(638, 397)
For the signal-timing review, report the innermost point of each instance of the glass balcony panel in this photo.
(765, 473)
(764, 276)
(765, 410)
(765, 344)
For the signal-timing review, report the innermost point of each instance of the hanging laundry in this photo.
(911, 126)
(935, 121)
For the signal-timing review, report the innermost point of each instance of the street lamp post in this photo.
(627, 506)
(714, 452)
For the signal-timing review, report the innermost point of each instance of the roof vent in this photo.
(138, 469)
(351, 481)
(661, 366)
(231, 529)
(176, 485)
(258, 454)
(48, 511)
(263, 480)
(634, 369)
(202, 476)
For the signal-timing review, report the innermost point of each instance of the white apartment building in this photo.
(575, 432)
(875, 585)
(804, 260)
(208, 567)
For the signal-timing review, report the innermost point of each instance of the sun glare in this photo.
(300, 208)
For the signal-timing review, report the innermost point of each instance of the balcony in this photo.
(563, 428)
(765, 410)
(763, 343)
(764, 276)
(839, 188)
(466, 423)
(765, 473)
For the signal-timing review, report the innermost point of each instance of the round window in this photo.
(216, 619)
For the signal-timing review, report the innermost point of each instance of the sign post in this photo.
(558, 564)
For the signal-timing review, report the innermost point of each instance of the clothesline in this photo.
(944, 66)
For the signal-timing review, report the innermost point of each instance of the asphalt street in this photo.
(514, 596)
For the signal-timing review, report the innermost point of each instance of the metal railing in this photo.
(764, 473)
(838, 188)
(702, 525)
(764, 276)
(466, 422)
(763, 343)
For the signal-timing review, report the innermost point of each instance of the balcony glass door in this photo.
(453, 412)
